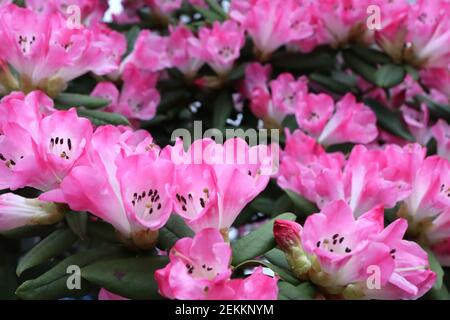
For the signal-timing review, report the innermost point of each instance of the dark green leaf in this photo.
(69, 100)
(304, 62)
(329, 83)
(28, 231)
(257, 242)
(102, 231)
(438, 294)
(303, 205)
(388, 120)
(132, 278)
(209, 15)
(278, 259)
(437, 268)
(77, 222)
(174, 230)
(370, 55)
(436, 109)
(361, 67)
(132, 35)
(222, 110)
(56, 243)
(53, 283)
(389, 76)
(304, 291)
(237, 73)
(100, 118)
(214, 5)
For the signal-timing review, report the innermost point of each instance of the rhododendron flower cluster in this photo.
(225, 149)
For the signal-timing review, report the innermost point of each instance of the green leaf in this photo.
(257, 242)
(304, 291)
(102, 231)
(69, 100)
(131, 35)
(214, 5)
(223, 106)
(238, 72)
(438, 294)
(303, 205)
(77, 222)
(370, 55)
(28, 231)
(361, 67)
(388, 120)
(56, 243)
(53, 283)
(437, 268)
(132, 278)
(278, 259)
(389, 76)
(413, 72)
(284, 274)
(100, 118)
(209, 15)
(9, 252)
(329, 83)
(263, 205)
(174, 230)
(436, 109)
(314, 61)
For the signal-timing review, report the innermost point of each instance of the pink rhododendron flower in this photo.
(348, 121)
(419, 35)
(120, 164)
(129, 13)
(182, 52)
(438, 79)
(47, 53)
(273, 23)
(199, 269)
(17, 211)
(107, 295)
(441, 132)
(273, 101)
(339, 253)
(418, 123)
(366, 179)
(427, 207)
(343, 22)
(42, 152)
(219, 46)
(90, 11)
(138, 98)
(164, 6)
(149, 52)
(307, 169)
(214, 182)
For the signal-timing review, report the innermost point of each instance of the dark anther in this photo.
(348, 250)
(69, 143)
(335, 236)
(159, 206)
(318, 244)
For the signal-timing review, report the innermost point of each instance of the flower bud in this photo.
(287, 234)
(17, 211)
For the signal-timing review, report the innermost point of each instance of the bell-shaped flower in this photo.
(46, 52)
(214, 182)
(219, 46)
(358, 258)
(133, 180)
(138, 98)
(199, 269)
(441, 132)
(273, 23)
(347, 121)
